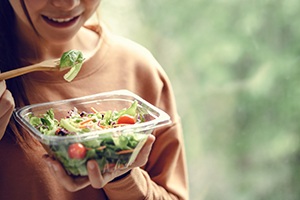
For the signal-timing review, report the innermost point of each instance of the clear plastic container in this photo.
(108, 158)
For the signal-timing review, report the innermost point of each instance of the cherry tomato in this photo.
(77, 151)
(126, 119)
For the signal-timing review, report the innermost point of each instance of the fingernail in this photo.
(55, 168)
(91, 165)
(48, 163)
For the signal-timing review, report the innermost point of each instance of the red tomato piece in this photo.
(126, 119)
(77, 151)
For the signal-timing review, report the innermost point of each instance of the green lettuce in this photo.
(73, 59)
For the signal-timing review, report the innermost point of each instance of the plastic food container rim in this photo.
(161, 120)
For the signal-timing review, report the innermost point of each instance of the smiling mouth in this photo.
(60, 22)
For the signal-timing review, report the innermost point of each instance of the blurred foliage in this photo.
(235, 69)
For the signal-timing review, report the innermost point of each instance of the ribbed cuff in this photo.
(132, 186)
(122, 176)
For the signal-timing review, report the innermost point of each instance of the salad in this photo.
(73, 59)
(110, 149)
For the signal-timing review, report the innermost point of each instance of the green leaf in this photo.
(73, 59)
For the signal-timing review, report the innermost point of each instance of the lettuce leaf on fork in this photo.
(73, 59)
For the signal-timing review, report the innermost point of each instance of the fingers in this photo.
(70, 183)
(143, 155)
(7, 105)
(2, 87)
(94, 174)
(6, 100)
(98, 180)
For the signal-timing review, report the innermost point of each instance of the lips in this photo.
(60, 22)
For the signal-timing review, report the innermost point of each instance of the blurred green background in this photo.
(235, 69)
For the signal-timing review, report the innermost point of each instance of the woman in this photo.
(37, 30)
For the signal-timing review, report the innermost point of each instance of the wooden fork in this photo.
(47, 65)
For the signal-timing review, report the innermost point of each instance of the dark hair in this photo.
(10, 59)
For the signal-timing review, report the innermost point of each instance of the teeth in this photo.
(60, 20)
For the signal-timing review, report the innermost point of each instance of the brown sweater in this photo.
(118, 64)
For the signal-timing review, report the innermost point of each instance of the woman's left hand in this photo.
(95, 178)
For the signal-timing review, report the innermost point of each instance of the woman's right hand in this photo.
(7, 106)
